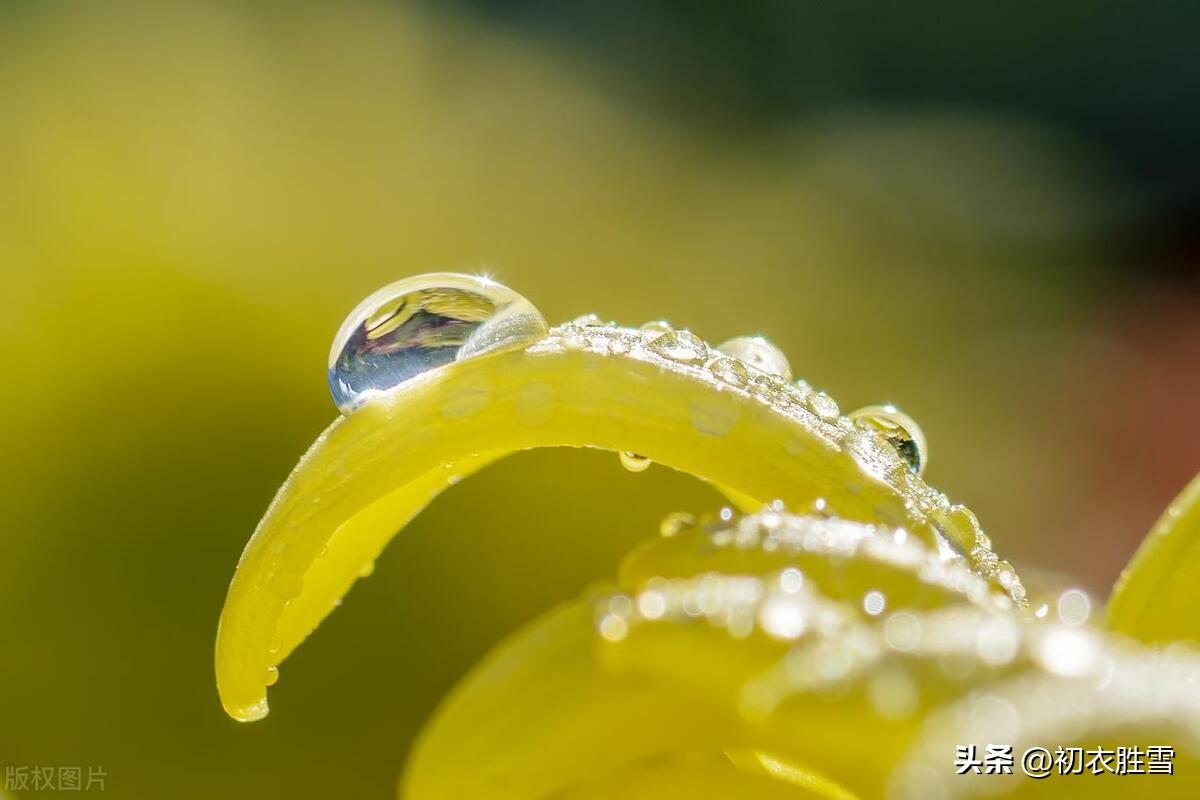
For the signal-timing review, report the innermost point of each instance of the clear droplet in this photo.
(682, 346)
(591, 321)
(1074, 606)
(366, 570)
(900, 430)
(757, 352)
(824, 406)
(421, 323)
(730, 371)
(657, 326)
(613, 628)
(634, 462)
(272, 676)
(874, 602)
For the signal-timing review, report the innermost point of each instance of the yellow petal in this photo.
(370, 472)
(1156, 597)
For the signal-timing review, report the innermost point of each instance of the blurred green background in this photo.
(987, 218)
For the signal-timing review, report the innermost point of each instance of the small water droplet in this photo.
(591, 321)
(757, 352)
(682, 346)
(1074, 606)
(613, 628)
(728, 370)
(902, 631)
(367, 570)
(421, 323)
(900, 430)
(272, 676)
(874, 602)
(652, 604)
(824, 406)
(634, 462)
(657, 326)
(791, 580)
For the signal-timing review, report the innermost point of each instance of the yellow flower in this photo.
(840, 637)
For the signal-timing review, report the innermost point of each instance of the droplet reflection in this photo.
(421, 323)
(900, 430)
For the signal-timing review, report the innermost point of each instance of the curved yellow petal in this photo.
(847, 560)
(612, 388)
(813, 784)
(712, 662)
(715, 662)
(1156, 597)
(549, 710)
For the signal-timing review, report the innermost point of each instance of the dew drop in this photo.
(791, 580)
(1074, 606)
(272, 676)
(421, 323)
(634, 462)
(682, 346)
(366, 570)
(757, 352)
(824, 406)
(902, 631)
(657, 326)
(652, 604)
(874, 602)
(730, 371)
(591, 321)
(900, 430)
(613, 628)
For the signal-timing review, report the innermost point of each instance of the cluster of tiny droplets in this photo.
(1090, 689)
(829, 648)
(683, 352)
(794, 537)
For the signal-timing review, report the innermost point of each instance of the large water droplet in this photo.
(757, 352)
(900, 430)
(420, 323)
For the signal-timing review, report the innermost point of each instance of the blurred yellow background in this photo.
(194, 195)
